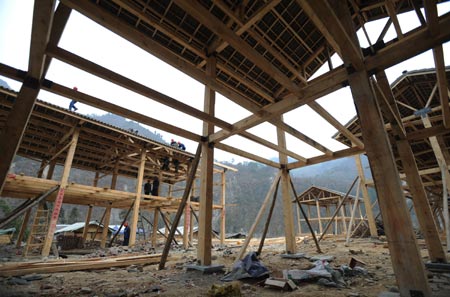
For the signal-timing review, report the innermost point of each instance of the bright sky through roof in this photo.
(91, 41)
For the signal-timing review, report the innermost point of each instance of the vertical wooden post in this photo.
(106, 226)
(223, 210)
(155, 227)
(207, 163)
(407, 262)
(420, 199)
(288, 215)
(191, 229)
(51, 169)
(114, 177)
(86, 222)
(137, 201)
(299, 221)
(23, 227)
(60, 195)
(344, 222)
(187, 224)
(366, 198)
(97, 175)
(318, 216)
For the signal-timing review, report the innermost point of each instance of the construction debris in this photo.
(283, 284)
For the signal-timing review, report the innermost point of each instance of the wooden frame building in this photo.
(261, 55)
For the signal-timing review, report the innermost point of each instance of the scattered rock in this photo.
(353, 294)
(353, 252)
(18, 281)
(32, 277)
(246, 287)
(232, 289)
(326, 283)
(47, 286)
(394, 289)
(322, 258)
(86, 290)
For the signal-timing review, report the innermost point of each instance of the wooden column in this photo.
(350, 224)
(137, 202)
(344, 222)
(86, 222)
(288, 214)
(318, 216)
(155, 227)
(206, 171)
(446, 222)
(60, 195)
(51, 169)
(420, 199)
(15, 125)
(223, 211)
(191, 229)
(23, 227)
(406, 259)
(105, 226)
(366, 198)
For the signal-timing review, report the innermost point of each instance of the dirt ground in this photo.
(175, 280)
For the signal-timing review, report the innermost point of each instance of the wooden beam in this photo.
(60, 196)
(390, 6)
(420, 200)
(324, 158)
(206, 170)
(325, 19)
(336, 124)
(131, 85)
(245, 154)
(60, 19)
(288, 218)
(438, 55)
(200, 13)
(155, 227)
(42, 24)
(12, 132)
(137, 202)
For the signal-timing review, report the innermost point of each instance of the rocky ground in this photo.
(375, 277)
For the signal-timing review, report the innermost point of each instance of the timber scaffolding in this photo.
(262, 55)
(106, 150)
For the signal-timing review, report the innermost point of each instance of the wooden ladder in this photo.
(38, 232)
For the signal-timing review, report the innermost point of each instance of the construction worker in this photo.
(181, 146)
(72, 103)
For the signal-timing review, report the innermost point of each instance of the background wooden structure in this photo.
(261, 55)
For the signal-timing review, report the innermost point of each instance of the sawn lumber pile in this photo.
(64, 265)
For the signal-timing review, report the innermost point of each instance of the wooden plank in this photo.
(223, 210)
(355, 204)
(137, 201)
(60, 195)
(247, 155)
(53, 267)
(390, 6)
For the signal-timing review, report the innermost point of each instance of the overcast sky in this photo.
(95, 43)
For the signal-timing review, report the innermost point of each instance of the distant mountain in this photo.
(125, 124)
(4, 84)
